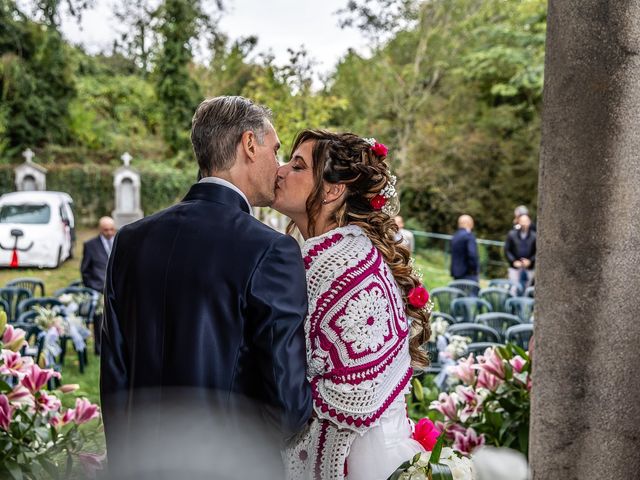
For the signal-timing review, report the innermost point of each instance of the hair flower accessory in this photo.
(380, 149)
(378, 202)
(418, 296)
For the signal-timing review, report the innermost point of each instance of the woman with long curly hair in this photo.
(366, 318)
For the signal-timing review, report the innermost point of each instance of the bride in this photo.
(366, 318)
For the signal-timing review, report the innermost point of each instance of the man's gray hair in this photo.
(217, 128)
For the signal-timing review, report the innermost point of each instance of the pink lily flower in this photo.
(91, 462)
(85, 411)
(464, 370)
(37, 378)
(48, 403)
(6, 412)
(21, 396)
(13, 338)
(466, 443)
(517, 363)
(488, 381)
(446, 405)
(491, 363)
(14, 364)
(61, 420)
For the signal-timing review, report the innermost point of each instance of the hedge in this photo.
(91, 187)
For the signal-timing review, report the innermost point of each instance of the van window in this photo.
(30, 214)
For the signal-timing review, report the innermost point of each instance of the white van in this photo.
(42, 223)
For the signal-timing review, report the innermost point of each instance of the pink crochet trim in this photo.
(320, 451)
(314, 251)
(356, 375)
(349, 419)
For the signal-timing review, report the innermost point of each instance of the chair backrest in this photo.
(478, 348)
(445, 316)
(46, 302)
(31, 284)
(497, 297)
(76, 283)
(520, 335)
(530, 292)
(514, 288)
(498, 321)
(522, 307)
(432, 351)
(467, 308)
(27, 318)
(469, 287)
(13, 296)
(477, 333)
(443, 297)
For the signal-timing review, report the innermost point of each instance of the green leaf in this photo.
(4, 386)
(417, 389)
(14, 470)
(399, 471)
(49, 467)
(520, 351)
(523, 438)
(505, 425)
(437, 449)
(416, 457)
(441, 472)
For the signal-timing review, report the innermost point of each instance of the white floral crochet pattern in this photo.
(366, 319)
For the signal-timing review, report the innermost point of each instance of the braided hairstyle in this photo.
(348, 159)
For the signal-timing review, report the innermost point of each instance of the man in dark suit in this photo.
(95, 255)
(203, 348)
(464, 251)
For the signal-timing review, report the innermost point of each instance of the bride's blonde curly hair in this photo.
(348, 159)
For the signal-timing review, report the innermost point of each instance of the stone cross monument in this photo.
(585, 414)
(30, 176)
(126, 182)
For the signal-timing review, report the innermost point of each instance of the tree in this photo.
(180, 22)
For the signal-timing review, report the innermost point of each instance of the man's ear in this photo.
(249, 144)
(333, 191)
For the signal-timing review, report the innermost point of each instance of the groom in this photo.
(203, 347)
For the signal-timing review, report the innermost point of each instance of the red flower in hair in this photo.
(380, 149)
(418, 296)
(378, 202)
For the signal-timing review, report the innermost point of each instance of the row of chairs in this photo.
(482, 337)
(472, 288)
(496, 321)
(466, 309)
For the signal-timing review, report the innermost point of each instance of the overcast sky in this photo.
(279, 24)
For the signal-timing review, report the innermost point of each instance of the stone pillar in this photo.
(586, 388)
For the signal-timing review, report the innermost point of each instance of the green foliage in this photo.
(36, 80)
(179, 22)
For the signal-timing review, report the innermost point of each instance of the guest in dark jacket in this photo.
(520, 250)
(95, 255)
(464, 251)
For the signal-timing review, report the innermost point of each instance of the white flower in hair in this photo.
(371, 141)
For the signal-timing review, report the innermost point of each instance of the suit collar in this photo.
(213, 192)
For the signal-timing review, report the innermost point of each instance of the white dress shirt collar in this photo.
(225, 183)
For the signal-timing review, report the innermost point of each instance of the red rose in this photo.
(418, 296)
(426, 434)
(378, 202)
(380, 149)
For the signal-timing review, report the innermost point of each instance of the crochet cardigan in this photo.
(357, 349)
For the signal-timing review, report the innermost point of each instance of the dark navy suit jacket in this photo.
(464, 255)
(94, 264)
(203, 298)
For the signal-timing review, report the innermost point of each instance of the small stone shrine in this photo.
(30, 176)
(126, 182)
